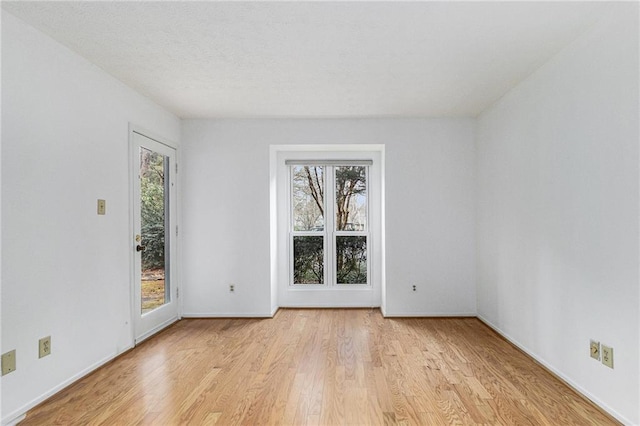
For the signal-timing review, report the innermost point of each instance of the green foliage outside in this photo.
(351, 255)
(308, 260)
(152, 209)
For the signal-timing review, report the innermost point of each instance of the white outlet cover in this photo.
(607, 356)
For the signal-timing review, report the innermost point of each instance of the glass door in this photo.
(153, 242)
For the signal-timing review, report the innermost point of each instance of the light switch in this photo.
(102, 207)
(595, 349)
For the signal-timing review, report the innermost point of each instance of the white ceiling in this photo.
(315, 59)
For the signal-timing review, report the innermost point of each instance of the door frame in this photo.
(135, 310)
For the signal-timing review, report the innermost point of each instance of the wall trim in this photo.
(562, 377)
(157, 329)
(400, 314)
(194, 315)
(330, 306)
(16, 420)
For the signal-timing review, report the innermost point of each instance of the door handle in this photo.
(140, 248)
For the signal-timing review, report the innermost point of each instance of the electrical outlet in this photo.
(607, 356)
(8, 362)
(414, 287)
(232, 288)
(595, 349)
(44, 347)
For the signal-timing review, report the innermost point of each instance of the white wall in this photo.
(430, 215)
(65, 269)
(558, 212)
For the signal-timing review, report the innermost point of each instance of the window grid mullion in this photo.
(330, 224)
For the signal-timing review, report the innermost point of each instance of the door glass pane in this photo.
(154, 217)
(308, 198)
(308, 259)
(351, 259)
(351, 198)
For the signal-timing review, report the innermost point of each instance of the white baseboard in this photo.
(385, 313)
(396, 314)
(155, 330)
(331, 306)
(228, 315)
(559, 374)
(19, 414)
(15, 421)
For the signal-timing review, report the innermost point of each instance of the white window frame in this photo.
(283, 292)
(329, 233)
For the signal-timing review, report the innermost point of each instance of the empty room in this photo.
(320, 213)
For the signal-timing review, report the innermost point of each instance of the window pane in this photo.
(351, 259)
(153, 216)
(308, 198)
(308, 260)
(351, 198)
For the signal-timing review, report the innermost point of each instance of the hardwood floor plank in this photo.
(321, 367)
(294, 397)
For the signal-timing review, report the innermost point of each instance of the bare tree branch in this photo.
(316, 188)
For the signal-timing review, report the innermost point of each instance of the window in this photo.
(329, 223)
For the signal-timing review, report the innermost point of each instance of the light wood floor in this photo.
(324, 367)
